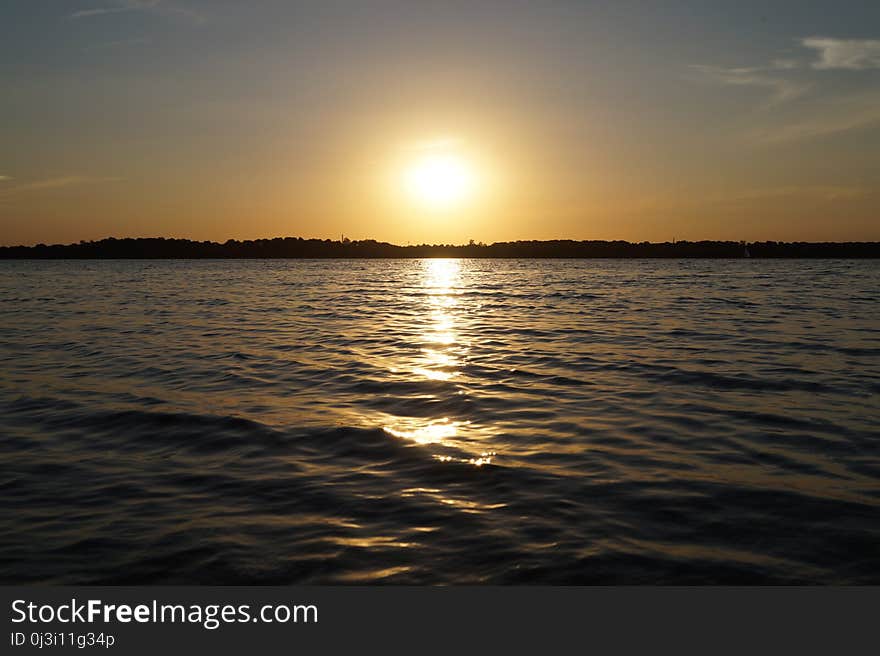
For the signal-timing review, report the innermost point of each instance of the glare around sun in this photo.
(439, 180)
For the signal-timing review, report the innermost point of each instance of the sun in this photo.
(440, 180)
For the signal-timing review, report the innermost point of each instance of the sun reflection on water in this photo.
(442, 279)
(435, 432)
(440, 357)
(440, 360)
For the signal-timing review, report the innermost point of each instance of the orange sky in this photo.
(579, 120)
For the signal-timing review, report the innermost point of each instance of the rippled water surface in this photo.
(440, 421)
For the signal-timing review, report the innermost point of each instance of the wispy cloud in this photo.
(814, 194)
(120, 7)
(851, 54)
(784, 64)
(4, 178)
(834, 54)
(121, 43)
(781, 89)
(833, 116)
(827, 193)
(52, 183)
(147, 6)
(828, 110)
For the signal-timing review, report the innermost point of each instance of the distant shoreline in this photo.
(299, 248)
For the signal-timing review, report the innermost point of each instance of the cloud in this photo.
(850, 54)
(749, 197)
(834, 116)
(151, 6)
(782, 89)
(827, 111)
(4, 177)
(123, 6)
(827, 193)
(121, 43)
(784, 64)
(52, 183)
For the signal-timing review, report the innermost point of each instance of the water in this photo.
(440, 421)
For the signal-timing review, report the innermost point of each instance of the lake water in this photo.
(440, 421)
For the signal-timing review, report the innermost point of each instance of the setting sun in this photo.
(473, 294)
(440, 180)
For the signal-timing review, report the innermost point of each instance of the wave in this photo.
(455, 423)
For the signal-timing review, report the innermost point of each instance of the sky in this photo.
(219, 119)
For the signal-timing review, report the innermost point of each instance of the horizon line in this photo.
(343, 240)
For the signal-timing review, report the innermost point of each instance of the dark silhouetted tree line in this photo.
(296, 247)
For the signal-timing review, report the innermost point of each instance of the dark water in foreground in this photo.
(440, 421)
